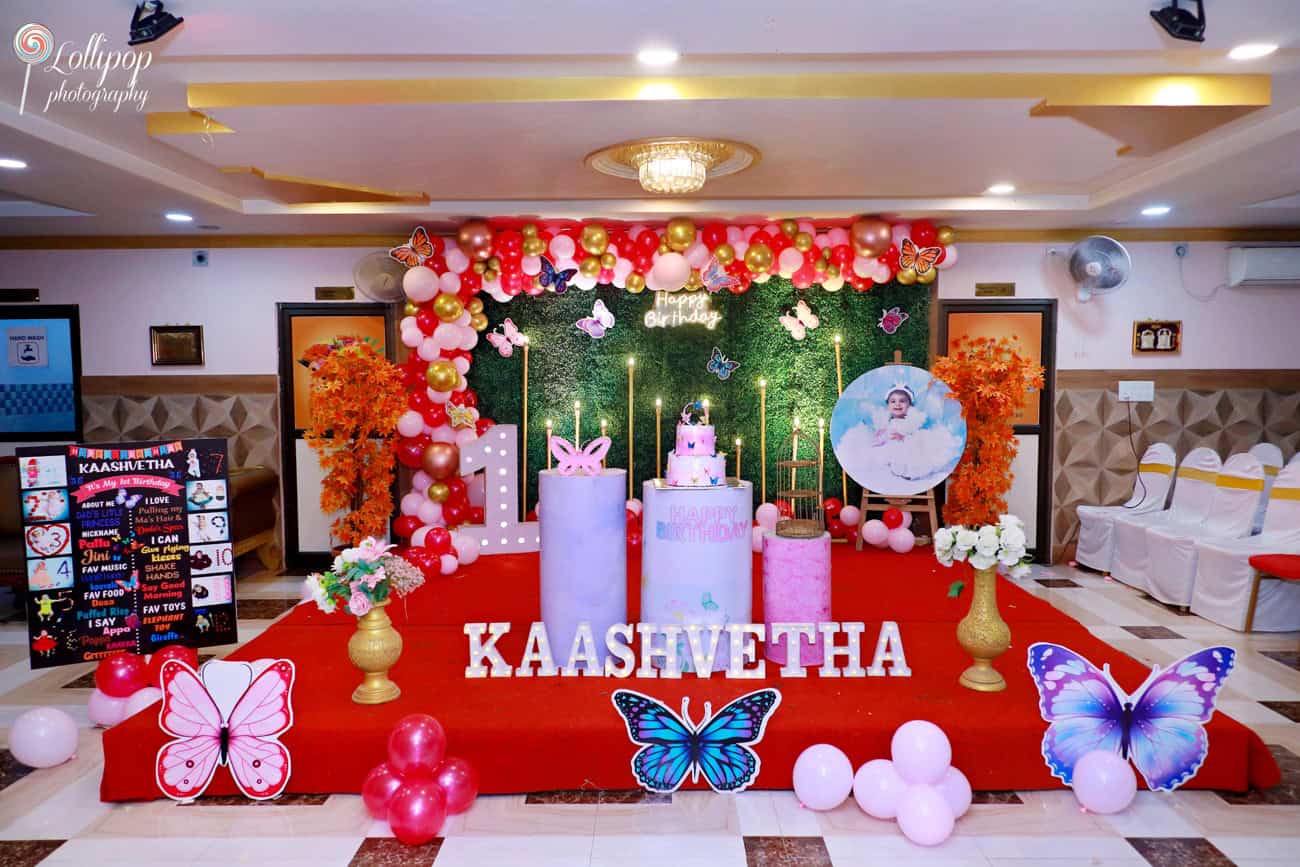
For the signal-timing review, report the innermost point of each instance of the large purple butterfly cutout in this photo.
(1161, 726)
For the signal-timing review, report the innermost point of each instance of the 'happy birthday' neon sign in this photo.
(672, 310)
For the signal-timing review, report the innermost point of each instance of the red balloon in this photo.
(831, 506)
(121, 675)
(425, 559)
(842, 255)
(476, 515)
(633, 521)
(459, 782)
(416, 746)
(427, 320)
(761, 237)
(783, 506)
(419, 400)
(438, 540)
(453, 513)
(531, 516)
(178, 652)
(456, 485)
(410, 450)
(634, 539)
(923, 233)
(377, 791)
(406, 525)
(417, 811)
(481, 426)
(648, 241)
(891, 257)
(836, 528)
(464, 398)
(435, 415)
(892, 518)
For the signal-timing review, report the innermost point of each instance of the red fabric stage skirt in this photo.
(538, 734)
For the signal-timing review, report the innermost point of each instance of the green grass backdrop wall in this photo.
(566, 365)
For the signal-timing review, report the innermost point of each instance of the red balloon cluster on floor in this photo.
(420, 785)
(125, 683)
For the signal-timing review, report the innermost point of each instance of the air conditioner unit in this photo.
(1263, 266)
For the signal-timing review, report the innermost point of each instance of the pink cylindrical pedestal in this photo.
(796, 589)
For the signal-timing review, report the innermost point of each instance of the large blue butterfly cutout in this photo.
(672, 746)
(1161, 726)
(558, 281)
(722, 365)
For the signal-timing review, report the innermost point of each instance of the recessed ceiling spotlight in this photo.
(1156, 210)
(11, 163)
(179, 217)
(657, 56)
(1000, 189)
(1252, 51)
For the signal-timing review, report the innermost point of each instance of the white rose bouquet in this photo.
(1001, 544)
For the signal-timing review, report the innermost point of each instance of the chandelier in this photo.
(673, 166)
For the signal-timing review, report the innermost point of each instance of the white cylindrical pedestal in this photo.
(584, 555)
(796, 589)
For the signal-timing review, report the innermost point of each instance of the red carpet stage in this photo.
(535, 734)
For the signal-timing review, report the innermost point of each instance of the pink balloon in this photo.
(907, 519)
(417, 811)
(447, 564)
(457, 261)
(878, 788)
(850, 515)
(105, 710)
(901, 540)
(469, 548)
(410, 423)
(378, 789)
(477, 489)
(823, 777)
(449, 283)
(924, 816)
(863, 266)
(874, 532)
(898, 232)
(419, 536)
(468, 340)
(428, 349)
(949, 257)
(142, 699)
(421, 481)
(416, 746)
(446, 336)
(756, 539)
(411, 503)
(462, 364)
(1103, 782)
(412, 337)
(420, 284)
(882, 274)
(671, 271)
(531, 265)
(429, 512)
(438, 396)
(459, 782)
(43, 737)
(789, 261)
(562, 247)
(955, 789)
(921, 752)
(465, 436)
(767, 514)
(443, 433)
(697, 255)
(838, 236)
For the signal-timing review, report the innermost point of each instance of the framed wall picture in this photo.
(1157, 337)
(175, 344)
(40, 373)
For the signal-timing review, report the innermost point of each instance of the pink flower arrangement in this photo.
(362, 577)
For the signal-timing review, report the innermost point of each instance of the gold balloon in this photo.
(442, 375)
(789, 228)
(439, 492)
(680, 233)
(635, 283)
(529, 230)
(906, 276)
(725, 254)
(594, 239)
(608, 260)
(534, 246)
(478, 321)
(928, 276)
(946, 235)
(493, 263)
(870, 236)
(760, 279)
(440, 460)
(410, 308)
(832, 270)
(803, 242)
(447, 307)
(589, 267)
(820, 266)
(758, 258)
(489, 275)
(478, 267)
(694, 283)
(664, 248)
(475, 305)
(475, 238)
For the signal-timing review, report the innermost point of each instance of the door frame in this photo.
(1046, 427)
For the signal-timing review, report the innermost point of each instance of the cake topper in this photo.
(700, 406)
(570, 459)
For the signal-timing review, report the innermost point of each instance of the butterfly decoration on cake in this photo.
(461, 416)
(1160, 726)
(920, 258)
(552, 278)
(716, 278)
(674, 747)
(892, 319)
(224, 714)
(507, 338)
(799, 320)
(570, 459)
(599, 322)
(415, 251)
(721, 365)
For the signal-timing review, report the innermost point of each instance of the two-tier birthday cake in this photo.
(694, 462)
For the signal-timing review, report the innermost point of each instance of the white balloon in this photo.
(420, 284)
(105, 710)
(949, 257)
(457, 261)
(411, 337)
(634, 506)
(410, 423)
(448, 564)
(833, 284)
(789, 261)
(864, 267)
(585, 283)
(43, 737)
(438, 396)
(461, 365)
(428, 350)
(418, 537)
(446, 335)
(850, 515)
(469, 548)
(449, 283)
(142, 699)
(562, 247)
(531, 265)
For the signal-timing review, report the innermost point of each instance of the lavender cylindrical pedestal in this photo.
(796, 589)
(584, 555)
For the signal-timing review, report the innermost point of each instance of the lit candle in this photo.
(631, 375)
(577, 424)
(604, 429)
(762, 433)
(550, 426)
(839, 390)
(738, 476)
(706, 410)
(794, 451)
(821, 451)
(523, 488)
(659, 430)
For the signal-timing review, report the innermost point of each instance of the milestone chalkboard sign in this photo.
(128, 548)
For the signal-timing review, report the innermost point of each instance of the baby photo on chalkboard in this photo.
(48, 540)
(43, 472)
(206, 495)
(49, 505)
(211, 590)
(53, 573)
(208, 559)
(209, 527)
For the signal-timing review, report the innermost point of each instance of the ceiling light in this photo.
(11, 163)
(178, 217)
(657, 56)
(151, 22)
(1181, 23)
(1156, 210)
(1252, 51)
(675, 166)
(1000, 189)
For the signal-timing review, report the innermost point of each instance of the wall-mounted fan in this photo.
(378, 276)
(1098, 265)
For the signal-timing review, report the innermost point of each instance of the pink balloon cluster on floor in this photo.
(419, 785)
(1103, 782)
(891, 531)
(127, 683)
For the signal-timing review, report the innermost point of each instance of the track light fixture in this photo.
(151, 22)
(1181, 23)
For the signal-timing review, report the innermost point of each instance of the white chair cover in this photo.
(1271, 457)
(1224, 574)
(1171, 563)
(1150, 494)
(1193, 494)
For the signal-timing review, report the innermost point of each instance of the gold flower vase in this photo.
(374, 648)
(983, 634)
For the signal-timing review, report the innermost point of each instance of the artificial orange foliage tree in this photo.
(991, 379)
(356, 398)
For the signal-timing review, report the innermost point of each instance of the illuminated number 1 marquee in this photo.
(496, 455)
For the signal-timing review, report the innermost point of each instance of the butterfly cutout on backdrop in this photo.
(507, 339)
(892, 319)
(722, 365)
(570, 459)
(799, 320)
(461, 416)
(718, 747)
(920, 258)
(223, 715)
(415, 251)
(1161, 726)
(129, 501)
(716, 278)
(556, 281)
(600, 321)
(131, 584)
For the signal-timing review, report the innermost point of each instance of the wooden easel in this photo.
(923, 503)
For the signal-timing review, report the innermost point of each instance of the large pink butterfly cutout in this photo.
(509, 337)
(571, 460)
(225, 717)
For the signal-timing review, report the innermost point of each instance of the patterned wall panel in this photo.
(1095, 463)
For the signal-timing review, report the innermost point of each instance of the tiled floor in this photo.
(55, 817)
